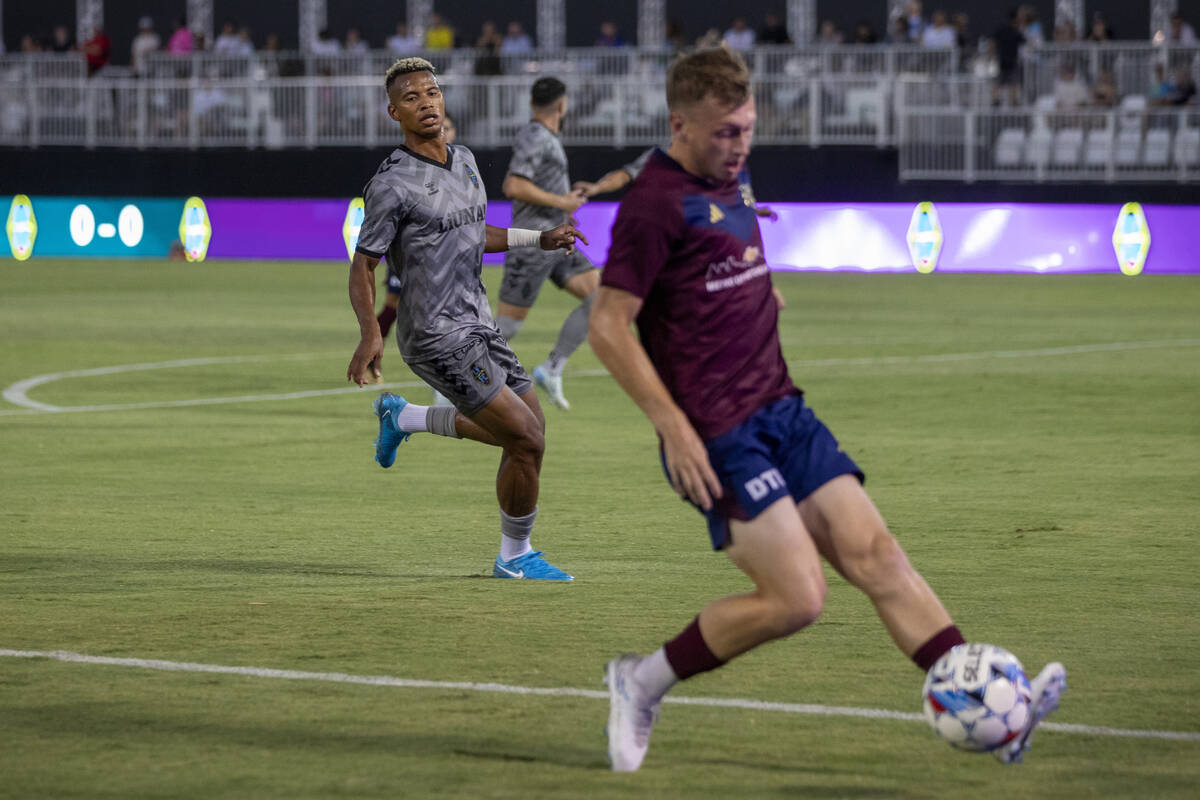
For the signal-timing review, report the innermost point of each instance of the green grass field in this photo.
(1034, 443)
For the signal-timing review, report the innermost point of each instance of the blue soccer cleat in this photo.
(387, 406)
(530, 567)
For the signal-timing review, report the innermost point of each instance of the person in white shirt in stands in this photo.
(227, 43)
(1181, 32)
(739, 36)
(401, 43)
(516, 40)
(939, 34)
(355, 43)
(144, 43)
(1070, 92)
(325, 44)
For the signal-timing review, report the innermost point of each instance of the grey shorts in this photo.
(472, 374)
(525, 271)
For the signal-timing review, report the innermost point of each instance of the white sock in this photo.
(554, 365)
(511, 548)
(411, 419)
(654, 676)
(514, 535)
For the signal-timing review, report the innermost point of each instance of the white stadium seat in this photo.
(1157, 150)
(1129, 148)
(1009, 146)
(1037, 149)
(1068, 144)
(1187, 147)
(1097, 151)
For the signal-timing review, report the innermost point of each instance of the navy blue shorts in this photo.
(783, 450)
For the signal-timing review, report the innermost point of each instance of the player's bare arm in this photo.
(611, 182)
(517, 188)
(362, 299)
(561, 238)
(619, 350)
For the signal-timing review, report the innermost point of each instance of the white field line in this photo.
(409, 683)
(17, 393)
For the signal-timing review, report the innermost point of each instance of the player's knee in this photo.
(800, 607)
(509, 326)
(877, 563)
(529, 441)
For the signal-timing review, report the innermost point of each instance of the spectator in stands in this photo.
(516, 40)
(245, 42)
(489, 36)
(98, 50)
(211, 106)
(985, 64)
(1181, 32)
(609, 37)
(676, 41)
(773, 30)
(899, 32)
(1030, 27)
(1182, 90)
(864, 33)
(61, 42)
(962, 30)
(487, 61)
(916, 22)
(400, 43)
(144, 43)
(939, 34)
(440, 33)
(354, 42)
(1008, 41)
(1104, 90)
(227, 43)
(325, 44)
(1100, 31)
(29, 44)
(739, 36)
(829, 34)
(1070, 91)
(181, 41)
(1160, 86)
(1065, 32)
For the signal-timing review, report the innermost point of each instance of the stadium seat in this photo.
(1009, 146)
(1098, 149)
(1068, 144)
(1037, 149)
(1129, 148)
(1157, 149)
(1187, 147)
(1132, 110)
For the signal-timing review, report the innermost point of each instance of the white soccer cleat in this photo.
(629, 720)
(552, 386)
(1046, 688)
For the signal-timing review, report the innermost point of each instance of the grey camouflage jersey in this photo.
(539, 157)
(427, 219)
(634, 168)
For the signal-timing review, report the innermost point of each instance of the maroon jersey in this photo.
(693, 252)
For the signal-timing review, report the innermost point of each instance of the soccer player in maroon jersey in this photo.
(686, 265)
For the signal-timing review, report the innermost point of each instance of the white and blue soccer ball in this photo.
(976, 697)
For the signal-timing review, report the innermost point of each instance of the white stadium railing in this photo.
(923, 101)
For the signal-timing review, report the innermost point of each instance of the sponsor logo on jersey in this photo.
(735, 271)
(463, 216)
(760, 487)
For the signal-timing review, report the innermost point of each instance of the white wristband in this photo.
(523, 237)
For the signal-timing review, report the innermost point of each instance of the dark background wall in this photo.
(377, 20)
(792, 174)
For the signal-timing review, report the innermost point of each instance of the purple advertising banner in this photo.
(875, 237)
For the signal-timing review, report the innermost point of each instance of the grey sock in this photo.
(440, 420)
(509, 327)
(573, 333)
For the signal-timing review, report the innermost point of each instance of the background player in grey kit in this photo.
(541, 192)
(425, 210)
(736, 438)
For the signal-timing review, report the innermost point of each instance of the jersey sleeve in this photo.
(634, 168)
(641, 244)
(383, 214)
(528, 153)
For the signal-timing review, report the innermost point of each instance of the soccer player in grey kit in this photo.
(425, 211)
(542, 197)
(686, 265)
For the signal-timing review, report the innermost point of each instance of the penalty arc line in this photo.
(470, 686)
(17, 393)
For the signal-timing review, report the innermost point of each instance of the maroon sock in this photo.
(928, 653)
(687, 653)
(385, 319)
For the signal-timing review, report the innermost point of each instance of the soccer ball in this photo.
(976, 697)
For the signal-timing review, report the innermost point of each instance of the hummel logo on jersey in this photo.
(760, 487)
(518, 574)
(715, 214)
(432, 187)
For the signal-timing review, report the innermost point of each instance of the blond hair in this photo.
(718, 72)
(403, 66)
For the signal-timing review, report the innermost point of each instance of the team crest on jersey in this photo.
(747, 195)
(472, 176)
(481, 374)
